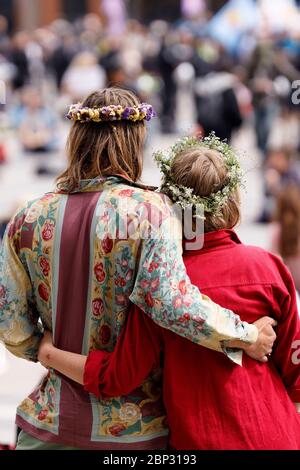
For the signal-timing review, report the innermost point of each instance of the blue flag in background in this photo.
(232, 21)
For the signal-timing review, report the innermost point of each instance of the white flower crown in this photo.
(183, 195)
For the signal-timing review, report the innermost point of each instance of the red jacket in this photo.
(212, 403)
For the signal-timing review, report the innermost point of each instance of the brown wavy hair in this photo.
(204, 170)
(288, 217)
(104, 149)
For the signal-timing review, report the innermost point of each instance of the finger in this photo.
(268, 354)
(268, 321)
(260, 358)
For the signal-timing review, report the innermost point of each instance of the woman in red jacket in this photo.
(210, 403)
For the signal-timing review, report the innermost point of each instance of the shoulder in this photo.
(143, 209)
(142, 201)
(42, 206)
(138, 194)
(30, 211)
(270, 267)
(258, 253)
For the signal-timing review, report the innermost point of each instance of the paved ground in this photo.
(18, 182)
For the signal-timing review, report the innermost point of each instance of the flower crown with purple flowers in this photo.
(112, 113)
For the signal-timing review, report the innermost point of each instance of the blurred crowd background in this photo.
(232, 67)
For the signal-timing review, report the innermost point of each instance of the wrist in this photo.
(251, 335)
(249, 338)
(236, 344)
(46, 355)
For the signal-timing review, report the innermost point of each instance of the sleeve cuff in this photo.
(28, 349)
(235, 355)
(250, 334)
(92, 371)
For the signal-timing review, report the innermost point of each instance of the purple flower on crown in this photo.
(147, 111)
(105, 113)
(126, 113)
(150, 114)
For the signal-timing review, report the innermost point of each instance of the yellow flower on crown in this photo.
(94, 114)
(135, 116)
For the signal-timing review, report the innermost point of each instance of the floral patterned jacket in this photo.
(72, 264)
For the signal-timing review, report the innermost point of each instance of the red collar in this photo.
(219, 239)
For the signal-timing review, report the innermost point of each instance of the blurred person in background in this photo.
(286, 129)
(217, 89)
(66, 46)
(114, 65)
(208, 56)
(35, 122)
(90, 29)
(111, 50)
(269, 71)
(115, 14)
(36, 54)
(243, 94)
(62, 57)
(217, 104)
(18, 57)
(167, 63)
(286, 231)
(4, 36)
(75, 83)
(281, 168)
